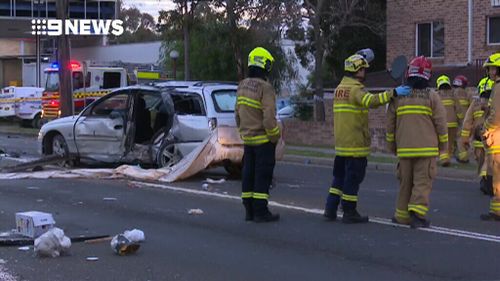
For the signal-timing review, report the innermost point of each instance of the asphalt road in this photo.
(25, 146)
(219, 245)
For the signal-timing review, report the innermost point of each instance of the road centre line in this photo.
(383, 221)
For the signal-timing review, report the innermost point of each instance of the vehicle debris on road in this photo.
(195, 212)
(53, 243)
(127, 242)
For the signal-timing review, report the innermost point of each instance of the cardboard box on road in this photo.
(33, 223)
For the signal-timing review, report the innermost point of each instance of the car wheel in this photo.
(59, 147)
(235, 170)
(37, 121)
(168, 155)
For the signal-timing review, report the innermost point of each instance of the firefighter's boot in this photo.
(490, 217)
(417, 222)
(486, 185)
(261, 213)
(352, 216)
(330, 214)
(248, 209)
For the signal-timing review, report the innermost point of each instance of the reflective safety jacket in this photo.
(492, 123)
(416, 125)
(474, 118)
(464, 100)
(453, 108)
(255, 112)
(350, 117)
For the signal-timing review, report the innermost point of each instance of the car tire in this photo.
(60, 147)
(168, 155)
(235, 170)
(37, 121)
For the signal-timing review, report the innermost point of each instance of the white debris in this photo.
(123, 246)
(109, 199)
(134, 235)
(52, 243)
(33, 187)
(24, 248)
(205, 186)
(209, 180)
(2, 261)
(92, 258)
(195, 212)
(6, 276)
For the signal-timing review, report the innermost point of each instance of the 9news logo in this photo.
(55, 27)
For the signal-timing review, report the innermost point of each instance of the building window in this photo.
(493, 30)
(495, 3)
(430, 39)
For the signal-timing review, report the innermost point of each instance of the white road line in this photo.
(383, 221)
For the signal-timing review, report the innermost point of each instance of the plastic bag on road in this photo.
(128, 242)
(53, 243)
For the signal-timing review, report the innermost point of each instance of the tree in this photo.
(138, 26)
(319, 28)
(213, 55)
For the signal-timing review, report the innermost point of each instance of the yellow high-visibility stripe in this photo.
(477, 144)
(489, 126)
(464, 102)
(366, 100)
(443, 138)
(465, 133)
(483, 174)
(417, 152)
(352, 151)
(419, 209)
(493, 149)
(460, 116)
(448, 102)
(249, 102)
(253, 140)
(273, 132)
(351, 198)
(335, 191)
(383, 98)
(247, 195)
(444, 156)
(337, 108)
(263, 196)
(389, 137)
(404, 214)
(462, 155)
(452, 124)
(478, 114)
(414, 109)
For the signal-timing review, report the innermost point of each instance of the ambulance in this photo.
(87, 83)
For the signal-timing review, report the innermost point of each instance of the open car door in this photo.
(100, 130)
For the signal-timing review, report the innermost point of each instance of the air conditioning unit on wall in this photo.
(495, 3)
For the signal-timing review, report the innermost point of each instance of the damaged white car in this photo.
(155, 126)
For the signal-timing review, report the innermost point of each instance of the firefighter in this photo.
(464, 100)
(453, 111)
(352, 138)
(474, 119)
(491, 135)
(256, 120)
(417, 133)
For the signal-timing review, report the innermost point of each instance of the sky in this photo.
(150, 6)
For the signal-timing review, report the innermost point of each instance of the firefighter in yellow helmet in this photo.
(474, 119)
(491, 135)
(256, 120)
(453, 112)
(352, 137)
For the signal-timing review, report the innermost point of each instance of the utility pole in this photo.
(63, 57)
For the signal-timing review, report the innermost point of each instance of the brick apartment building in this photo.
(456, 34)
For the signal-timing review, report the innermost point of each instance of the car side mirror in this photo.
(114, 115)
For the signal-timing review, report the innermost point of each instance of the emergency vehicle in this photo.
(24, 103)
(88, 84)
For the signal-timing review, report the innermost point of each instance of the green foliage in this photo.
(212, 56)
